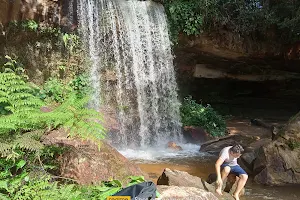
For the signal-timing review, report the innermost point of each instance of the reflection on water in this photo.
(255, 191)
(154, 161)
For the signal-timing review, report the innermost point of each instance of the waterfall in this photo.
(132, 68)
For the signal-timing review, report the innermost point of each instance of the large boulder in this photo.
(216, 145)
(185, 180)
(278, 163)
(194, 134)
(88, 163)
(183, 193)
(179, 178)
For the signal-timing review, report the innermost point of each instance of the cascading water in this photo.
(132, 68)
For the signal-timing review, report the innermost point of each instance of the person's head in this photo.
(236, 150)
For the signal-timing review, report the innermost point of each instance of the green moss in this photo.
(293, 144)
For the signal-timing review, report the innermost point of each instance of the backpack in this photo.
(141, 191)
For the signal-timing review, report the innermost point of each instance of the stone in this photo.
(278, 162)
(88, 163)
(179, 178)
(196, 135)
(229, 185)
(248, 158)
(216, 145)
(184, 193)
(185, 180)
(174, 146)
(46, 109)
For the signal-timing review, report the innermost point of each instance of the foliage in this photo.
(71, 41)
(194, 114)
(21, 116)
(16, 96)
(81, 84)
(189, 16)
(13, 66)
(293, 144)
(30, 25)
(252, 17)
(54, 90)
(74, 116)
(17, 183)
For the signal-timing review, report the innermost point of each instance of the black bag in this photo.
(141, 191)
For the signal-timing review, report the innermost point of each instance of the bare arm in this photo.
(218, 167)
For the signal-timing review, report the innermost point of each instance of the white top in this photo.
(228, 159)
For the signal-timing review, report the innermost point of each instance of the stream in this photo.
(154, 161)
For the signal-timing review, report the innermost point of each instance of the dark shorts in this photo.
(237, 170)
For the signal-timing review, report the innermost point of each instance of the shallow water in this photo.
(154, 161)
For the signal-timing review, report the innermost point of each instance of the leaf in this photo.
(21, 164)
(4, 197)
(4, 184)
(116, 182)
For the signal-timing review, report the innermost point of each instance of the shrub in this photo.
(251, 17)
(194, 114)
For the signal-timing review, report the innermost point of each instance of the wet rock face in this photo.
(88, 164)
(39, 10)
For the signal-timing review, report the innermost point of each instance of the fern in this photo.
(21, 117)
(16, 96)
(25, 142)
(77, 119)
(42, 188)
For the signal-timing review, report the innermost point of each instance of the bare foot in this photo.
(219, 191)
(236, 196)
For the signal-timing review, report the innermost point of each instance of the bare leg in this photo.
(224, 174)
(240, 185)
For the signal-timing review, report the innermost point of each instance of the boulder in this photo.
(179, 178)
(88, 163)
(174, 146)
(229, 185)
(278, 163)
(196, 135)
(185, 180)
(183, 193)
(216, 145)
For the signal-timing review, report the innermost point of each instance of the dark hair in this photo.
(237, 148)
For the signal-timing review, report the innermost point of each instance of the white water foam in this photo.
(163, 153)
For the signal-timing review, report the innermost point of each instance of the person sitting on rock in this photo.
(227, 164)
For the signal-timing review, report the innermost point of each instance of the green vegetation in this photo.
(252, 17)
(293, 144)
(194, 114)
(28, 168)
